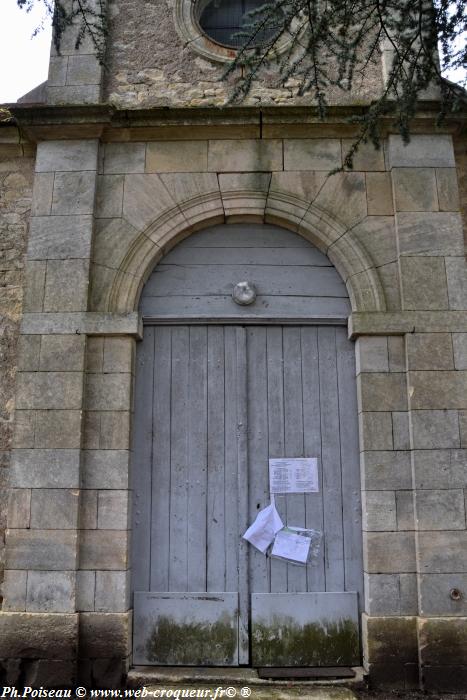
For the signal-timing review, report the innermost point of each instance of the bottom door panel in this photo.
(199, 629)
(305, 629)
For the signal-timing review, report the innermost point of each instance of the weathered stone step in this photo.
(244, 681)
(193, 674)
(257, 692)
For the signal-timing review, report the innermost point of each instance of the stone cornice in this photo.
(43, 122)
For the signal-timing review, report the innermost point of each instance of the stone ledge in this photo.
(85, 323)
(165, 676)
(400, 323)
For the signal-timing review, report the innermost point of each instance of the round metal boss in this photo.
(244, 293)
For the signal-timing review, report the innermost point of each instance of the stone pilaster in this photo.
(387, 509)
(42, 555)
(434, 278)
(103, 587)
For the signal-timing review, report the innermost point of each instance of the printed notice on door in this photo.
(292, 544)
(293, 475)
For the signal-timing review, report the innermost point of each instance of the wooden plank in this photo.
(270, 279)
(184, 255)
(348, 427)
(243, 493)
(258, 449)
(197, 459)
(244, 236)
(312, 447)
(216, 487)
(186, 628)
(293, 435)
(215, 307)
(275, 411)
(305, 629)
(179, 460)
(141, 463)
(231, 456)
(159, 528)
(331, 461)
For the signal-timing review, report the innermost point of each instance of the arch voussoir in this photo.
(241, 204)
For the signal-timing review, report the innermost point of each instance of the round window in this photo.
(222, 20)
(208, 27)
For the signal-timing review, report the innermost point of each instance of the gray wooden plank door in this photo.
(189, 481)
(213, 404)
(302, 403)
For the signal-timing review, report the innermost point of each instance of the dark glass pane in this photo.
(222, 19)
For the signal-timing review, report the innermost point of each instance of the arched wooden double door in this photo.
(220, 389)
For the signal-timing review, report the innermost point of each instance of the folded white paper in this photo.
(268, 522)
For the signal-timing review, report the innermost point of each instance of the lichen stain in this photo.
(282, 642)
(192, 643)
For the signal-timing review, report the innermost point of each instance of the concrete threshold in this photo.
(243, 681)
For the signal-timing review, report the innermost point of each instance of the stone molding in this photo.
(82, 323)
(399, 323)
(69, 121)
(319, 227)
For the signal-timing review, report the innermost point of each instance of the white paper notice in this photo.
(264, 529)
(293, 475)
(291, 545)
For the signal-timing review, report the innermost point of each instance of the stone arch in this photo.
(316, 224)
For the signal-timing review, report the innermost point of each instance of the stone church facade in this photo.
(102, 173)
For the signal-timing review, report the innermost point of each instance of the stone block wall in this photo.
(460, 150)
(153, 59)
(42, 538)
(400, 208)
(416, 552)
(109, 201)
(102, 215)
(76, 71)
(103, 583)
(16, 178)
